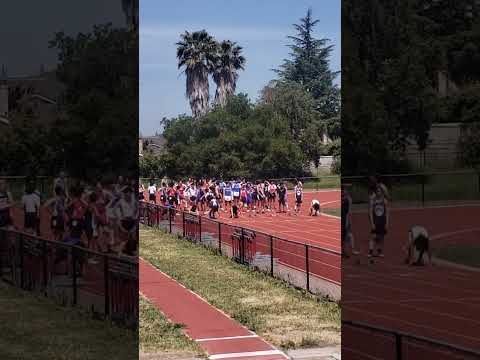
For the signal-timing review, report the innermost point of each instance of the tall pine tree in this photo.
(309, 65)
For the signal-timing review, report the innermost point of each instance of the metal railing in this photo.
(300, 264)
(104, 284)
(421, 188)
(312, 182)
(362, 341)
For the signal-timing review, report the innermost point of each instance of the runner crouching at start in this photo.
(418, 244)
(315, 208)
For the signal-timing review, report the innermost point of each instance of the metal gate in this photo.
(243, 245)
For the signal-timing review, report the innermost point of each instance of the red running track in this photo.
(321, 231)
(436, 302)
(216, 333)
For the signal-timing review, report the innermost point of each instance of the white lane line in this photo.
(227, 338)
(246, 354)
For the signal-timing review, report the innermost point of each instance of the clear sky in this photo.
(259, 26)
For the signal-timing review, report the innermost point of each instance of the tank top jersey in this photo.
(227, 191)
(298, 193)
(379, 209)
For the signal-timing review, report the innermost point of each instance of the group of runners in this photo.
(418, 241)
(100, 216)
(235, 198)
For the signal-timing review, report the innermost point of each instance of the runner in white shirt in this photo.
(31, 207)
(315, 208)
(418, 244)
(152, 193)
(127, 219)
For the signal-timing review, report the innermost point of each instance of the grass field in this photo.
(33, 327)
(334, 211)
(286, 317)
(159, 336)
(468, 255)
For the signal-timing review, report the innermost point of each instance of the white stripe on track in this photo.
(227, 338)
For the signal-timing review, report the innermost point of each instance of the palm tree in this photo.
(196, 53)
(225, 72)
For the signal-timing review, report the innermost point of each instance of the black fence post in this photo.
(423, 190)
(170, 215)
(45, 260)
(271, 255)
(398, 345)
(106, 283)
(157, 216)
(183, 223)
(307, 267)
(200, 228)
(74, 275)
(21, 260)
(220, 237)
(242, 246)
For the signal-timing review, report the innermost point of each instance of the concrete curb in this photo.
(325, 353)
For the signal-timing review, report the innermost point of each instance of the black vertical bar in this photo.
(220, 237)
(423, 190)
(157, 214)
(398, 345)
(45, 260)
(21, 261)
(200, 227)
(170, 213)
(183, 223)
(105, 278)
(242, 247)
(307, 267)
(74, 276)
(271, 255)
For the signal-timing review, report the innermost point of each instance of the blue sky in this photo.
(259, 26)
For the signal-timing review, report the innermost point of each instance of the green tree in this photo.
(100, 72)
(196, 54)
(309, 66)
(228, 61)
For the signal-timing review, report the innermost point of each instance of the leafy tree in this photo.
(100, 72)
(309, 66)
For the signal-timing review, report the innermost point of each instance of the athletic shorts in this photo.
(5, 219)
(298, 200)
(193, 198)
(128, 224)
(228, 198)
(57, 223)
(30, 220)
(422, 243)
(152, 197)
(282, 201)
(380, 229)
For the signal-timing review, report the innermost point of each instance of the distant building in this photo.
(152, 144)
(37, 97)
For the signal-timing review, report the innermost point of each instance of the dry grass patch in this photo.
(159, 336)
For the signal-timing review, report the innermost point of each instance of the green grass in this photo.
(159, 336)
(33, 327)
(468, 255)
(284, 316)
(334, 211)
